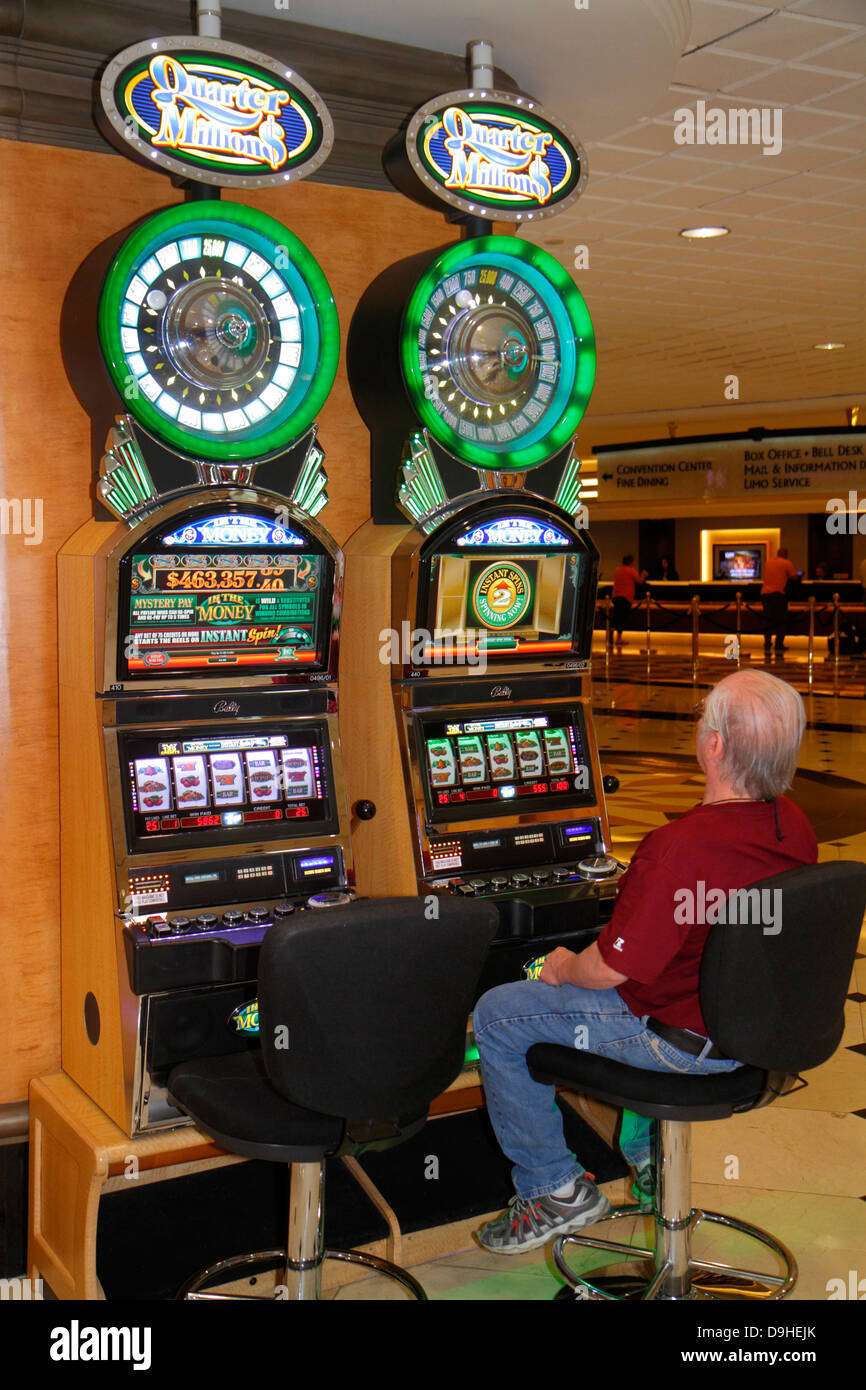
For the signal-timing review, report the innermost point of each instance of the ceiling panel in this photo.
(791, 272)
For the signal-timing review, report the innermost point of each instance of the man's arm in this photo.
(588, 970)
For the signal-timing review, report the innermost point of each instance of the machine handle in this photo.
(365, 810)
(610, 783)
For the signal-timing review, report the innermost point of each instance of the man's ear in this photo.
(714, 748)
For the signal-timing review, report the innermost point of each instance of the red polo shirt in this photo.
(625, 578)
(658, 929)
(776, 576)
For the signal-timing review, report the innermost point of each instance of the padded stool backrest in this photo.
(373, 1000)
(775, 969)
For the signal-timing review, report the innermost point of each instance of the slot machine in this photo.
(202, 794)
(466, 714)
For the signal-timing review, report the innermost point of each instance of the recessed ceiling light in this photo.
(827, 347)
(702, 233)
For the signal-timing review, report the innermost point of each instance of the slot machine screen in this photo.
(217, 787)
(231, 591)
(478, 764)
(514, 588)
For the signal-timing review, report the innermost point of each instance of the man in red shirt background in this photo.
(633, 995)
(774, 600)
(625, 580)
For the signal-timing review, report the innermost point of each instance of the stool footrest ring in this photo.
(261, 1260)
(704, 1279)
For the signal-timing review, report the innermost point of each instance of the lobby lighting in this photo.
(703, 233)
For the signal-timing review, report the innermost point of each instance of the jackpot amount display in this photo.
(189, 611)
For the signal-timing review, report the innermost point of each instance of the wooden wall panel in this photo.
(56, 207)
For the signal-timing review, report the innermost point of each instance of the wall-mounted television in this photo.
(742, 563)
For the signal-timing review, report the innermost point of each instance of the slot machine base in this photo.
(533, 924)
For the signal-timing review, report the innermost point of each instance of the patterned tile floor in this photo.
(800, 1164)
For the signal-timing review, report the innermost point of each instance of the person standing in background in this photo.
(625, 580)
(774, 600)
(665, 569)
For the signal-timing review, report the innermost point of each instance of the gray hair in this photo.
(761, 720)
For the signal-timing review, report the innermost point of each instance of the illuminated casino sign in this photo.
(232, 530)
(514, 530)
(496, 156)
(213, 111)
(501, 595)
(245, 1019)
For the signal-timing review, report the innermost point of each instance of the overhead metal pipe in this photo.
(479, 54)
(209, 23)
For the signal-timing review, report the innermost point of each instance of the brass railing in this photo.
(711, 611)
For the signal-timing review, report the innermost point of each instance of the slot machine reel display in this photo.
(202, 789)
(467, 690)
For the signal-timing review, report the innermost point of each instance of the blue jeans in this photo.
(509, 1019)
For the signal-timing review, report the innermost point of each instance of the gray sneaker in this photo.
(531, 1222)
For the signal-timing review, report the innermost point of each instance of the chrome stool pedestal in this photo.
(668, 1271)
(303, 1259)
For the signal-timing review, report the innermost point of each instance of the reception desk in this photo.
(670, 607)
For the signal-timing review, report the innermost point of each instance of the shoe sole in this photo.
(586, 1218)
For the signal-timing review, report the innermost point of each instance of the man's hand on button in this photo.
(558, 966)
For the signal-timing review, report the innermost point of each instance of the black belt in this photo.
(692, 1043)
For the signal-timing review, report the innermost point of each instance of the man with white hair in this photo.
(632, 996)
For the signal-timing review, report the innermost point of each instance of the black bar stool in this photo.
(363, 1012)
(773, 998)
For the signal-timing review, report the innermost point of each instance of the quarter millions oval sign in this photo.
(215, 112)
(492, 155)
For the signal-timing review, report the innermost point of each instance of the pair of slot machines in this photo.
(219, 772)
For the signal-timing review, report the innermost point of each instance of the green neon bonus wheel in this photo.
(219, 330)
(498, 352)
